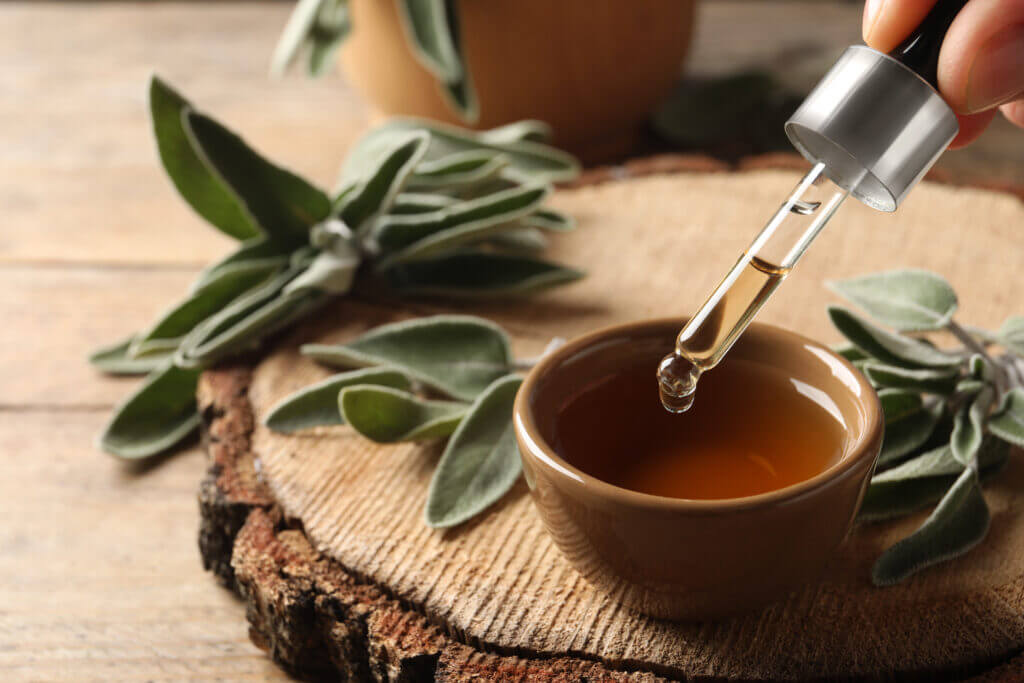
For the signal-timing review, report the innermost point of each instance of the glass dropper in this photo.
(718, 323)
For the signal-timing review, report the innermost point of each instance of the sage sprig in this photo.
(465, 359)
(951, 415)
(414, 214)
(317, 28)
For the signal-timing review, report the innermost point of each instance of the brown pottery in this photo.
(695, 559)
(593, 69)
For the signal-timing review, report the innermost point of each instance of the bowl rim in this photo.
(866, 446)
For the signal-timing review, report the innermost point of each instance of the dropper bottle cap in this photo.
(876, 121)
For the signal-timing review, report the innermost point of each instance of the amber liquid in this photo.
(754, 429)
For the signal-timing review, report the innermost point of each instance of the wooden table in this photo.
(99, 574)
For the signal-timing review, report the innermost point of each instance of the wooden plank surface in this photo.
(654, 247)
(99, 577)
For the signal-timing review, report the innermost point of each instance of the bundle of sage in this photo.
(317, 28)
(951, 415)
(462, 360)
(421, 208)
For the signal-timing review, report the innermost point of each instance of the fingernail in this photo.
(997, 74)
(872, 9)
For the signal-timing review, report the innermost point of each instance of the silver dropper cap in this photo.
(875, 124)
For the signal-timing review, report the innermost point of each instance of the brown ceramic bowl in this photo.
(695, 559)
(593, 69)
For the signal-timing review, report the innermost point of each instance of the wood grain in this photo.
(500, 584)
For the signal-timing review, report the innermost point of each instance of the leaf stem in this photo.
(1002, 379)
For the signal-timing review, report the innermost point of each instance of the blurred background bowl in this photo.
(593, 69)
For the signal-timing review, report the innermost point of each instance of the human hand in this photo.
(981, 63)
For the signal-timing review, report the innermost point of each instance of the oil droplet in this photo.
(677, 382)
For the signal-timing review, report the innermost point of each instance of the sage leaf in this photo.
(388, 415)
(419, 202)
(892, 349)
(259, 249)
(296, 33)
(969, 426)
(331, 272)
(457, 355)
(450, 180)
(460, 91)
(466, 217)
(908, 300)
(1011, 334)
(517, 240)
(1008, 422)
(527, 130)
(481, 461)
(198, 185)
(116, 360)
(969, 387)
(217, 292)
(850, 352)
(426, 23)
(958, 523)
(924, 479)
(158, 415)
(540, 162)
(283, 205)
(940, 381)
(548, 219)
(317, 404)
(332, 25)
(475, 274)
(457, 164)
(897, 403)
(376, 190)
(910, 431)
(981, 369)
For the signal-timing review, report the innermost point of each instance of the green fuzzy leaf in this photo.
(426, 23)
(517, 240)
(248, 320)
(388, 415)
(217, 292)
(331, 271)
(198, 185)
(898, 403)
(907, 300)
(454, 354)
(478, 275)
(296, 33)
(924, 479)
(1011, 334)
(850, 352)
(259, 249)
(1008, 422)
(981, 369)
(455, 181)
(539, 162)
(460, 92)
(892, 349)
(969, 426)
(941, 381)
(417, 202)
(466, 217)
(283, 205)
(158, 415)
(958, 523)
(546, 219)
(527, 130)
(906, 434)
(116, 360)
(481, 462)
(969, 387)
(333, 24)
(317, 404)
(457, 164)
(383, 176)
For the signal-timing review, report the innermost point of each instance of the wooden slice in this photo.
(341, 574)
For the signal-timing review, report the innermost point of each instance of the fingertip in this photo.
(971, 127)
(1014, 112)
(887, 23)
